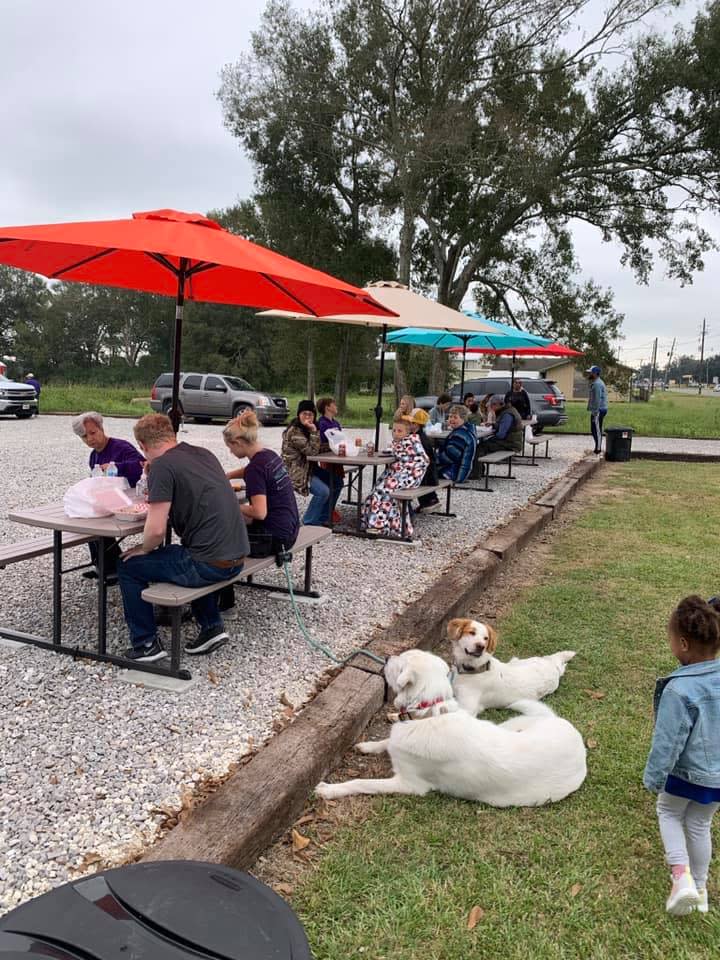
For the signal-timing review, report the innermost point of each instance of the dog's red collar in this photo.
(418, 711)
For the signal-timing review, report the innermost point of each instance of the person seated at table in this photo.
(485, 412)
(300, 440)
(106, 450)
(271, 511)
(438, 413)
(507, 430)
(188, 488)
(456, 455)
(473, 406)
(327, 408)
(518, 397)
(129, 462)
(381, 512)
(405, 407)
(419, 419)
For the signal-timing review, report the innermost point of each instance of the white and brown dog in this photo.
(481, 682)
(529, 760)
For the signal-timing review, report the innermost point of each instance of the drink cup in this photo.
(370, 448)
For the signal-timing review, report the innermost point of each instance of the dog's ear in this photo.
(405, 678)
(456, 628)
(492, 638)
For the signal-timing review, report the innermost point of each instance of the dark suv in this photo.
(211, 396)
(546, 401)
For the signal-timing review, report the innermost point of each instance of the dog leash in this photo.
(283, 559)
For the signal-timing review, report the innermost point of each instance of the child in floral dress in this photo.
(381, 513)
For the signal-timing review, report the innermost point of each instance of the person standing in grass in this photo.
(683, 767)
(597, 405)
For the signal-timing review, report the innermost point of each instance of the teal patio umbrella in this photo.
(499, 337)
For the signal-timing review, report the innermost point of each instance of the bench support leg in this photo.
(175, 621)
(308, 571)
(101, 597)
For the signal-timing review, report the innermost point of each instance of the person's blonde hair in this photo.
(153, 429)
(243, 427)
(459, 410)
(407, 404)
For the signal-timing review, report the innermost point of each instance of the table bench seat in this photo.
(406, 496)
(37, 547)
(487, 460)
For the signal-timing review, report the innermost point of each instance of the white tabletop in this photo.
(354, 459)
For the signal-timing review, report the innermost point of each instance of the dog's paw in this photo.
(366, 746)
(328, 791)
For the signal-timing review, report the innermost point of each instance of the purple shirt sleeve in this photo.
(325, 424)
(127, 459)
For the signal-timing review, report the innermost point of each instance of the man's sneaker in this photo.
(683, 896)
(148, 654)
(702, 904)
(207, 640)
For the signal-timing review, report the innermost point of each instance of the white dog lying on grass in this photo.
(529, 760)
(484, 683)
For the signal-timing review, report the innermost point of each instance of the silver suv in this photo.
(210, 396)
(17, 398)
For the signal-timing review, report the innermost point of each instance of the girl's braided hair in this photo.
(698, 621)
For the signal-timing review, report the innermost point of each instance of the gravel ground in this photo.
(90, 766)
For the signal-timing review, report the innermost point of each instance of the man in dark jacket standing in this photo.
(518, 397)
(35, 384)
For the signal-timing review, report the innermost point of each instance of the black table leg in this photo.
(57, 587)
(102, 597)
(358, 521)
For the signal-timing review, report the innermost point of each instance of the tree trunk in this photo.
(399, 379)
(407, 239)
(311, 363)
(341, 372)
(439, 372)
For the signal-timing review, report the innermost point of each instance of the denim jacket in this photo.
(686, 741)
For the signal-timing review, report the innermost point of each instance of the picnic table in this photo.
(102, 530)
(359, 460)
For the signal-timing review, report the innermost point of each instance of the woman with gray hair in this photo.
(106, 450)
(456, 456)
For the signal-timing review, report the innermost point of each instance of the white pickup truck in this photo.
(17, 398)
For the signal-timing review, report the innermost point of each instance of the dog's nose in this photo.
(477, 651)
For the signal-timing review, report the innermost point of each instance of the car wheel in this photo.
(538, 428)
(202, 419)
(239, 407)
(167, 406)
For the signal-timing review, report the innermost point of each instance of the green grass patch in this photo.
(401, 884)
(665, 415)
(79, 397)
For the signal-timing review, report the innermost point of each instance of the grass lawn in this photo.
(583, 878)
(666, 415)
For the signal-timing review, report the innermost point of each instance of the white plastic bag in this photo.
(433, 428)
(336, 438)
(96, 497)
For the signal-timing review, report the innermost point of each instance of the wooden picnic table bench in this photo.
(407, 496)
(485, 461)
(534, 442)
(37, 547)
(173, 596)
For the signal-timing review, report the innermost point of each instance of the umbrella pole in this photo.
(462, 372)
(378, 407)
(512, 371)
(175, 414)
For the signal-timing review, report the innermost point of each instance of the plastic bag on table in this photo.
(96, 497)
(337, 439)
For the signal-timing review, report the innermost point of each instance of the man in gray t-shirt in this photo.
(188, 488)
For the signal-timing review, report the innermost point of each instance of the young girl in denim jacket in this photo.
(683, 767)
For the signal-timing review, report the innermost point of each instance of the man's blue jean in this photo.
(318, 510)
(172, 564)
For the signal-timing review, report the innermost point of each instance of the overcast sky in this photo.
(108, 106)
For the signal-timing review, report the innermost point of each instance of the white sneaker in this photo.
(702, 904)
(683, 896)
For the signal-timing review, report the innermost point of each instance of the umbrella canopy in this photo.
(405, 308)
(553, 350)
(185, 255)
(495, 336)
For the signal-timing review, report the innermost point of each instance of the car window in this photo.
(215, 383)
(164, 380)
(536, 386)
(192, 382)
(237, 383)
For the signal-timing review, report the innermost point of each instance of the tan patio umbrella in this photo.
(412, 309)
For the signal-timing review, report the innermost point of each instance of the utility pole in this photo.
(669, 363)
(652, 366)
(702, 357)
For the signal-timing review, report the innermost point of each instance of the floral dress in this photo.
(381, 513)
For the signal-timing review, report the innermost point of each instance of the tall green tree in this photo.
(480, 124)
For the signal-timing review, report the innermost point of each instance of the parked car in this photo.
(210, 396)
(17, 398)
(546, 401)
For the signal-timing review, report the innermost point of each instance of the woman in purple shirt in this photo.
(106, 450)
(327, 408)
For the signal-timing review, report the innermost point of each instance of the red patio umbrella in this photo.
(552, 350)
(185, 255)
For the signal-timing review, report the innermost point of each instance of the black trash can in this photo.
(618, 443)
(147, 911)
